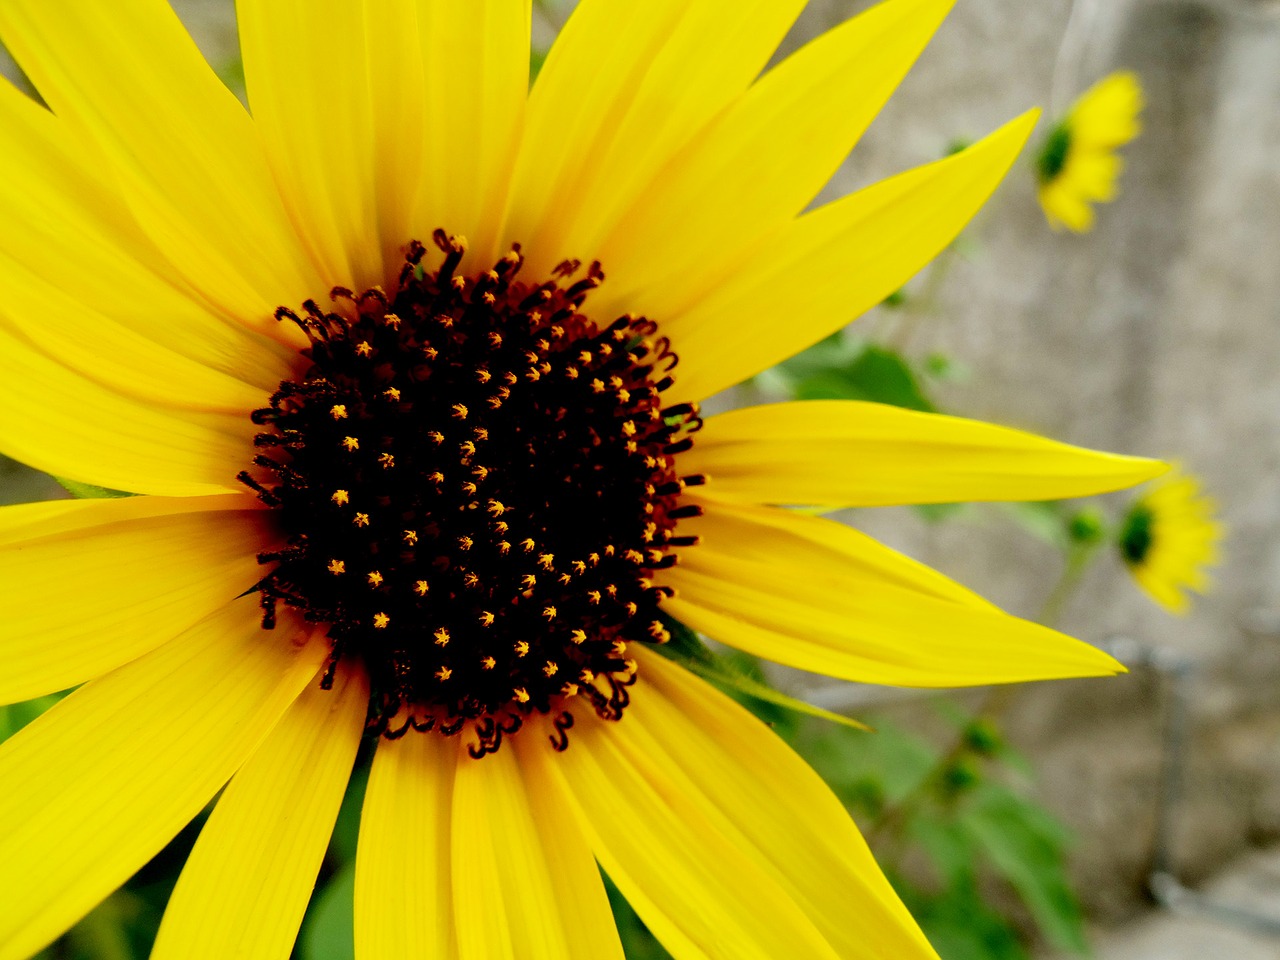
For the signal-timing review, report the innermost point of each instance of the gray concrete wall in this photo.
(1157, 334)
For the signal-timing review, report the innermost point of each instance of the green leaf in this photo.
(87, 491)
(1027, 846)
(688, 650)
(961, 926)
(637, 942)
(1044, 520)
(328, 932)
(876, 374)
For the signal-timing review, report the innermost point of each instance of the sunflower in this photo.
(1078, 164)
(1169, 539)
(404, 371)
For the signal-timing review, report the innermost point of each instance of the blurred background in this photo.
(1156, 333)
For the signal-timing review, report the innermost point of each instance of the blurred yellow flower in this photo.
(440, 494)
(1078, 164)
(1169, 539)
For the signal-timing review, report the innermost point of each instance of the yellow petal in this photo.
(97, 785)
(626, 86)
(761, 162)
(67, 230)
(74, 428)
(243, 891)
(115, 356)
(404, 898)
(475, 59)
(525, 884)
(95, 586)
(853, 454)
(750, 784)
(829, 266)
(71, 427)
(811, 593)
(133, 88)
(702, 891)
(306, 66)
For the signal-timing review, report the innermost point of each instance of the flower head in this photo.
(1078, 164)
(1169, 539)
(406, 369)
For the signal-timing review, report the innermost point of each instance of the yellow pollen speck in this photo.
(361, 520)
(593, 596)
(569, 689)
(338, 411)
(411, 537)
(488, 663)
(546, 560)
(436, 478)
(549, 612)
(496, 509)
(483, 375)
(619, 647)
(564, 579)
(527, 544)
(351, 443)
(459, 283)
(460, 411)
(624, 396)
(500, 528)
(586, 676)
(578, 636)
(444, 673)
(340, 497)
(469, 488)
(597, 386)
(375, 579)
(442, 637)
(550, 669)
(387, 460)
(579, 567)
(392, 321)
(391, 393)
(421, 588)
(486, 618)
(380, 620)
(594, 558)
(632, 609)
(436, 436)
(480, 433)
(585, 356)
(495, 339)
(528, 581)
(337, 567)
(481, 472)
(504, 548)
(521, 648)
(471, 580)
(364, 349)
(629, 428)
(464, 543)
(521, 694)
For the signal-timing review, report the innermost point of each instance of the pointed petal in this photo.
(307, 67)
(97, 785)
(702, 891)
(761, 162)
(853, 454)
(131, 85)
(475, 59)
(817, 595)
(116, 585)
(625, 87)
(826, 268)
(246, 884)
(404, 893)
(61, 423)
(60, 211)
(525, 884)
(748, 782)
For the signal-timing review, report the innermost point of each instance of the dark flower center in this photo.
(1053, 155)
(1136, 535)
(476, 483)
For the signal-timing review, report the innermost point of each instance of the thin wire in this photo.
(1069, 62)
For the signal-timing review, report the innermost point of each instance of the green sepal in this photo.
(687, 649)
(87, 491)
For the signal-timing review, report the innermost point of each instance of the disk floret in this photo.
(476, 484)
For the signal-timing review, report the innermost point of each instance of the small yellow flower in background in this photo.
(190, 294)
(1169, 539)
(1078, 164)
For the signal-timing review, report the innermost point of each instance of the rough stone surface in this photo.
(1157, 334)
